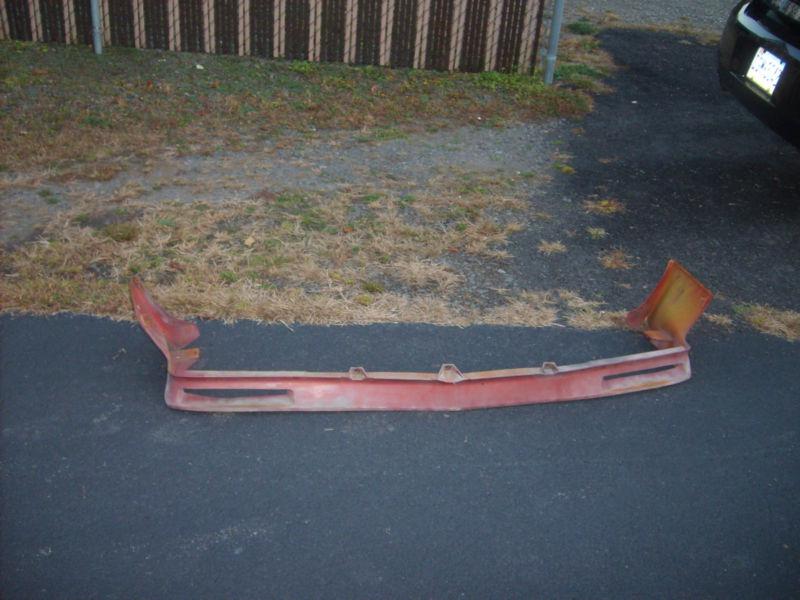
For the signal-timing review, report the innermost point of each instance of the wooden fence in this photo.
(450, 35)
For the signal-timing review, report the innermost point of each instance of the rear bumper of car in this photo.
(750, 27)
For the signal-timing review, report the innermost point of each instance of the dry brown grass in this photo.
(596, 233)
(127, 192)
(781, 323)
(420, 274)
(360, 256)
(548, 248)
(607, 206)
(320, 259)
(529, 309)
(616, 259)
(720, 320)
(301, 248)
(588, 314)
(30, 180)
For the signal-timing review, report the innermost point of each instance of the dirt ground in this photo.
(278, 191)
(328, 162)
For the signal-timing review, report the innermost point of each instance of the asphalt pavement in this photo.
(700, 178)
(687, 491)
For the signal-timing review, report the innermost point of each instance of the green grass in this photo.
(572, 70)
(583, 27)
(373, 287)
(580, 76)
(49, 196)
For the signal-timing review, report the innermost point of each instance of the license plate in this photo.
(765, 70)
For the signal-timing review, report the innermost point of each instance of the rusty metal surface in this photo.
(672, 308)
(665, 318)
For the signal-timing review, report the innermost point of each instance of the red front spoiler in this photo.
(665, 317)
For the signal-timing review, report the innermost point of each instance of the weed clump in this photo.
(773, 321)
(616, 259)
(583, 27)
(121, 232)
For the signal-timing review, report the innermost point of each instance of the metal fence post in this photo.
(552, 45)
(97, 27)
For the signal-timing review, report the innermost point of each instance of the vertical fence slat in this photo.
(501, 42)
(173, 25)
(279, 23)
(105, 15)
(312, 25)
(492, 33)
(209, 37)
(177, 41)
(244, 27)
(239, 29)
(457, 33)
(421, 42)
(539, 35)
(5, 34)
(35, 20)
(318, 6)
(315, 30)
(387, 24)
(246, 41)
(138, 24)
(70, 33)
(526, 47)
(350, 22)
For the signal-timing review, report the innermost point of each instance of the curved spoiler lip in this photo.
(665, 317)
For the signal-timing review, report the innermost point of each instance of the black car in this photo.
(759, 61)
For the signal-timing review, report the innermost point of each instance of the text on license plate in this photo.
(765, 70)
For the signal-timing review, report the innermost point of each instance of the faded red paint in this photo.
(665, 317)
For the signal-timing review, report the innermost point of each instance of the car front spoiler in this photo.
(665, 318)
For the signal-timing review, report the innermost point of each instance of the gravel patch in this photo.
(328, 163)
(707, 15)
